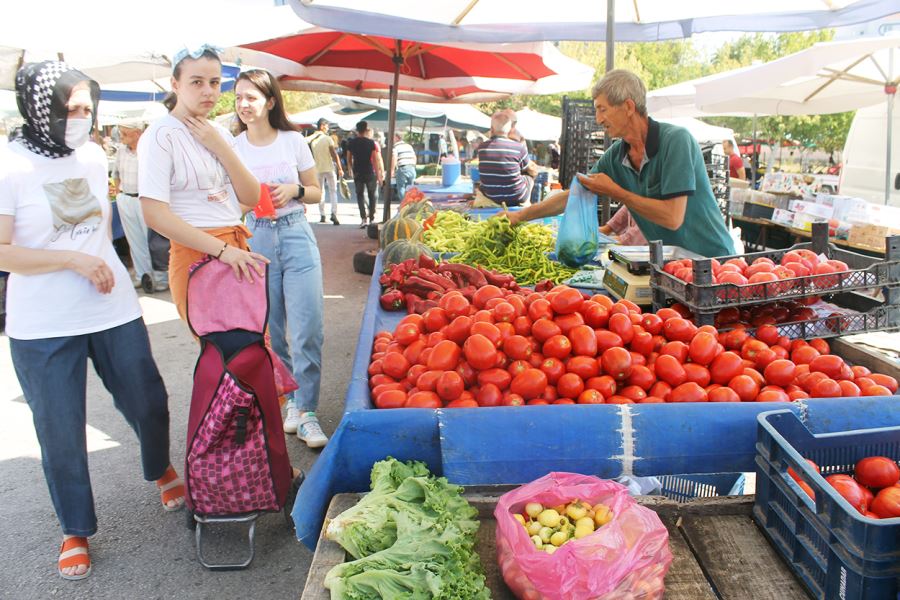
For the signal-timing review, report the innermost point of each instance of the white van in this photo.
(865, 153)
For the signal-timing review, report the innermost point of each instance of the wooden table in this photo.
(718, 551)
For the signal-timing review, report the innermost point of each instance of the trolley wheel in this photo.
(364, 261)
(372, 230)
(189, 522)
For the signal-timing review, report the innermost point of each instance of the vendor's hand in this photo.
(244, 263)
(204, 132)
(514, 217)
(600, 183)
(282, 193)
(94, 269)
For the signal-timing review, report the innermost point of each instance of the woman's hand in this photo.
(244, 263)
(282, 193)
(94, 269)
(204, 132)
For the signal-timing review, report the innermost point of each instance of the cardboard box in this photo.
(812, 209)
(784, 217)
(871, 235)
(804, 221)
(757, 211)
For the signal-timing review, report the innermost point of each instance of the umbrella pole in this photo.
(610, 34)
(392, 125)
(754, 162)
(890, 91)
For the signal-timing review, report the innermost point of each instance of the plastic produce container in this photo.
(832, 548)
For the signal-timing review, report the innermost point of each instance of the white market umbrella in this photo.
(828, 77)
(492, 21)
(538, 127)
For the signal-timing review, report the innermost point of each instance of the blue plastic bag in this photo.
(577, 239)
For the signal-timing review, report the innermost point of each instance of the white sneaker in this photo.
(310, 431)
(291, 420)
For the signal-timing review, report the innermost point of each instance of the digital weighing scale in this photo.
(627, 275)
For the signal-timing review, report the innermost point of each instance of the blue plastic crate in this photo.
(834, 550)
(683, 488)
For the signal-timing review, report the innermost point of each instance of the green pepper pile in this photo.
(519, 251)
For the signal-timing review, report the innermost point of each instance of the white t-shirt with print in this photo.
(61, 204)
(279, 162)
(175, 168)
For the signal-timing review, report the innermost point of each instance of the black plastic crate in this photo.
(582, 141)
(832, 548)
(867, 315)
(702, 295)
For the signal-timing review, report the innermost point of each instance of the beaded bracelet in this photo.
(221, 251)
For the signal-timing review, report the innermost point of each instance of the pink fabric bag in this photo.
(626, 558)
(236, 460)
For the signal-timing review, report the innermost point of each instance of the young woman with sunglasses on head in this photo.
(193, 186)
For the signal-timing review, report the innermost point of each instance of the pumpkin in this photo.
(417, 210)
(399, 250)
(398, 228)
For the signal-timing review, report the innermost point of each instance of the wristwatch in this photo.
(301, 191)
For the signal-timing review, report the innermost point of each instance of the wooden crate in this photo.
(718, 551)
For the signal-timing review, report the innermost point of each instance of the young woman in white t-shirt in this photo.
(193, 187)
(280, 158)
(70, 299)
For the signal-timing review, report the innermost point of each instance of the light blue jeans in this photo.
(295, 299)
(136, 233)
(406, 176)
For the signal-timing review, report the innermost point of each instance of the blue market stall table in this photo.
(605, 440)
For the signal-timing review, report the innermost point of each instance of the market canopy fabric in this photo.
(320, 59)
(680, 100)
(332, 112)
(454, 116)
(491, 21)
(538, 127)
(826, 78)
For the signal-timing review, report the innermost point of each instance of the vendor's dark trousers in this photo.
(53, 376)
(365, 185)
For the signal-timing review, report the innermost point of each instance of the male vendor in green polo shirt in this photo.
(655, 169)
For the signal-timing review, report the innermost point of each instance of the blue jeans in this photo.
(53, 376)
(406, 176)
(295, 299)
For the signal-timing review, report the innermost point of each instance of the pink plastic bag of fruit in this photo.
(627, 558)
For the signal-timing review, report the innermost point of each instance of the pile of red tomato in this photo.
(794, 263)
(561, 347)
(873, 489)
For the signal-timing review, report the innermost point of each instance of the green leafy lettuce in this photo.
(412, 538)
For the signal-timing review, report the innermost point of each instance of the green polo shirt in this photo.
(672, 166)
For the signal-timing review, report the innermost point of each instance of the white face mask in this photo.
(78, 132)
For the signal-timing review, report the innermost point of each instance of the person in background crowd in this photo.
(325, 153)
(125, 181)
(623, 227)
(278, 155)
(507, 175)
(554, 154)
(70, 300)
(193, 186)
(403, 165)
(735, 162)
(365, 162)
(655, 169)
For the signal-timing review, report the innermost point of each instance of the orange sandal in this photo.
(171, 489)
(73, 553)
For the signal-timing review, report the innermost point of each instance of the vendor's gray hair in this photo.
(501, 123)
(620, 85)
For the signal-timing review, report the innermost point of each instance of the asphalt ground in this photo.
(140, 551)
